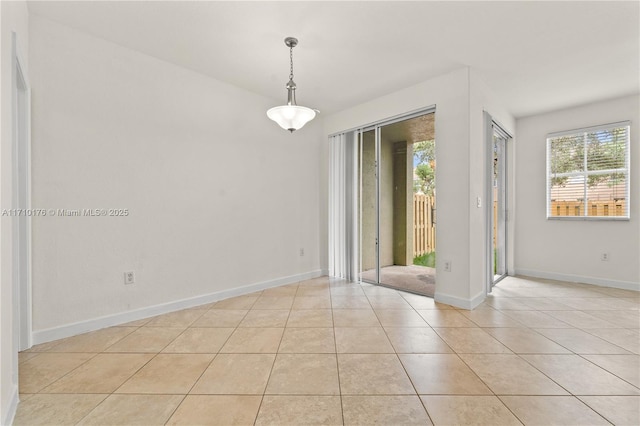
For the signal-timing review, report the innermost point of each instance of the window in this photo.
(588, 173)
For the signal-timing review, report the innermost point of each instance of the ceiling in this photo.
(536, 56)
(417, 129)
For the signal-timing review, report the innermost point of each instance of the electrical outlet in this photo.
(129, 277)
(301, 252)
(447, 266)
(478, 202)
(604, 257)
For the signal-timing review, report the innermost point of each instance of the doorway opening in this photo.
(498, 214)
(397, 203)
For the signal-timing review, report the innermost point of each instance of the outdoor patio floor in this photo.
(413, 278)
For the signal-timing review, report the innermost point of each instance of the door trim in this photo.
(491, 126)
(21, 198)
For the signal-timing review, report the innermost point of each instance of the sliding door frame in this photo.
(377, 127)
(492, 127)
(376, 148)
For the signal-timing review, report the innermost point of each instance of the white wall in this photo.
(482, 98)
(14, 17)
(460, 98)
(450, 94)
(571, 249)
(219, 196)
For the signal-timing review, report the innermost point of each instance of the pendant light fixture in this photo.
(291, 116)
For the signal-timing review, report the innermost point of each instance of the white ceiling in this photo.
(537, 56)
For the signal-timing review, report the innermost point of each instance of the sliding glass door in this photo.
(369, 242)
(396, 167)
(498, 215)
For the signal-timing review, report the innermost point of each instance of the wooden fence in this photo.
(424, 208)
(424, 226)
(596, 208)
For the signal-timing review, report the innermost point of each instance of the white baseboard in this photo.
(603, 282)
(12, 408)
(459, 302)
(68, 330)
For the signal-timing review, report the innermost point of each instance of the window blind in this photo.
(343, 230)
(588, 172)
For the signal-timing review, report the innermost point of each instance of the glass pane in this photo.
(606, 150)
(424, 204)
(388, 216)
(609, 196)
(368, 200)
(407, 204)
(499, 208)
(566, 155)
(403, 191)
(567, 199)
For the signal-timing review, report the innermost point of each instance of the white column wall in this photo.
(14, 17)
(482, 99)
(450, 94)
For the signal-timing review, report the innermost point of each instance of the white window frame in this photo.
(586, 173)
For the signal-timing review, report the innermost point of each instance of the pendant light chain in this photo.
(293, 92)
(291, 60)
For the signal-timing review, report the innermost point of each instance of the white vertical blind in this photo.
(588, 172)
(343, 192)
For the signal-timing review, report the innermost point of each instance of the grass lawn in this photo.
(428, 259)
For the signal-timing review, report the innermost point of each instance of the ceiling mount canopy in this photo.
(291, 116)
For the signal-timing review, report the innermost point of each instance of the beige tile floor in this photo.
(327, 351)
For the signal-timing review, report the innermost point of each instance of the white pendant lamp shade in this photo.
(291, 117)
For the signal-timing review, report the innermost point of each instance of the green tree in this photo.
(605, 150)
(567, 155)
(426, 179)
(424, 154)
(425, 151)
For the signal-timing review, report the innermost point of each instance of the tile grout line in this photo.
(159, 352)
(93, 409)
(335, 345)
(173, 412)
(94, 354)
(212, 359)
(275, 357)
